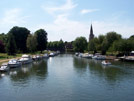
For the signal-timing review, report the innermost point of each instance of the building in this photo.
(91, 36)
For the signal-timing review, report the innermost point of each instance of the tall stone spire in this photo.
(91, 36)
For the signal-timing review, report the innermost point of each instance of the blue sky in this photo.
(68, 19)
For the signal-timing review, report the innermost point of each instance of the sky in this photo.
(68, 19)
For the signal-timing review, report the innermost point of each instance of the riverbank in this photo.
(5, 57)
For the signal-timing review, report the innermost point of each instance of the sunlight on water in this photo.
(68, 78)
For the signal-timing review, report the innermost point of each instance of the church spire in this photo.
(91, 36)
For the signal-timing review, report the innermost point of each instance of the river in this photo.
(68, 78)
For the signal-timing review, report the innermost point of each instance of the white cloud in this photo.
(63, 28)
(85, 11)
(12, 17)
(68, 30)
(102, 27)
(69, 5)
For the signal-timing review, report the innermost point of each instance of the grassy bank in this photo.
(5, 57)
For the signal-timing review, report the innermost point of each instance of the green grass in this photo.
(6, 56)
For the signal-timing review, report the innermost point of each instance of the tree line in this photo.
(20, 40)
(112, 42)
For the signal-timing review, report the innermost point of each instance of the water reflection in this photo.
(40, 69)
(112, 73)
(80, 65)
(23, 75)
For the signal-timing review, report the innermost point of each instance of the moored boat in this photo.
(4, 67)
(86, 55)
(46, 56)
(76, 54)
(99, 57)
(25, 59)
(14, 63)
(52, 54)
(129, 58)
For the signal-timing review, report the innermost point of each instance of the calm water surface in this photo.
(68, 78)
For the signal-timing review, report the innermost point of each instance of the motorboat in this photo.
(34, 57)
(25, 59)
(52, 54)
(4, 67)
(46, 56)
(86, 55)
(129, 58)
(76, 54)
(38, 57)
(80, 54)
(99, 57)
(106, 63)
(58, 52)
(14, 63)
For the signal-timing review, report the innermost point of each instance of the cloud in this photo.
(69, 5)
(68, 30)
(64, 28)
(12, 17)
(102, 27)
(85, 11)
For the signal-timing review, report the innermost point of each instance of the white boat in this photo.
(80, 54)
(52, 54)
(106, 63)
(4, 67)
(38, 57)
(99, 57)
(34, 57)
(129, 58)
(25, 59)
(76, 54)
(46, 56)
(58, 52)
(86, 55)
(14, 63)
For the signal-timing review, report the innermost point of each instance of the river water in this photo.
(68, 78)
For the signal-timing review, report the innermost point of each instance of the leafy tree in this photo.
(56, 45)
(91, 46)
(11, 45)
(131, 37)
(20, 35)
(2, 47)
(111, 37)
(105, 46)
(31, 43)
(41, 36)
(3, 38)
(61, 45)
(80, 44)
(124, 46)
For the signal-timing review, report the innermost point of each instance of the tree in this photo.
(41, 36)
(80, 44)
(31, 43)
(124, 46)
(91, 46)
(111, 37)
(11, 45)
(131, 37)
(20, 35)
(56, 45)
(2, 47)
(3, 38)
